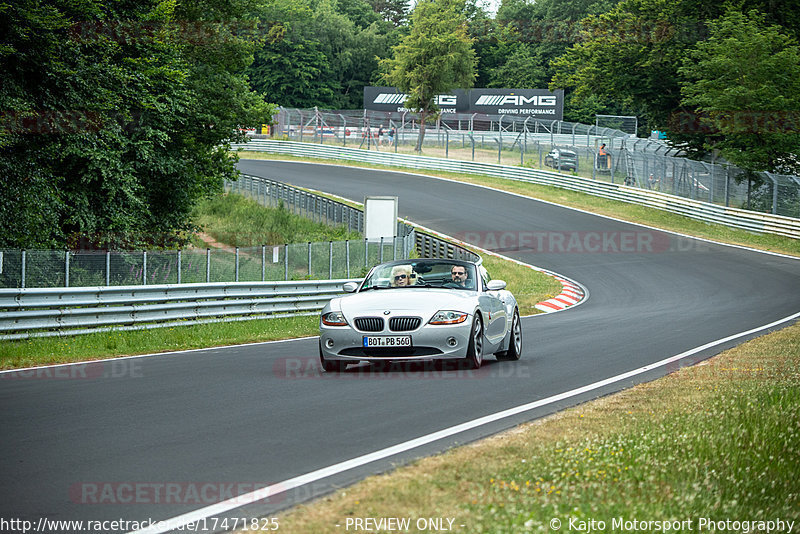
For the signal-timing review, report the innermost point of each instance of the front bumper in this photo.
(429, 342)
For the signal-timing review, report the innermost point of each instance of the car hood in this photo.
(420, 301)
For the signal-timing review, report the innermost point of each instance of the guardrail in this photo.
(704, 211)
(44, 312)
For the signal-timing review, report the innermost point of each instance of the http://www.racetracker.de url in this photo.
(211, 524)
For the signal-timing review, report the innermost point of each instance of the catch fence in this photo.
(603, 154)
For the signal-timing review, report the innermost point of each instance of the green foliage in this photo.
(528, 36)
(744, 81)
(691, 67)
(630, 56)
(393, 11)
(240, 222)
(116, 116)
(523, 68)
(436, 57)
(320, 53)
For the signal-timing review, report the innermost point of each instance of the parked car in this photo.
(421, 309)
(559, 158)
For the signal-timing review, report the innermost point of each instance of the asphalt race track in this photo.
(160, 436)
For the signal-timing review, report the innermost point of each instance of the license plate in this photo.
(387, 341)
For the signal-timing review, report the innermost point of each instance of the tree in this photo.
(317, 55)
(521, 69)
(527, 37)
(744, 83)
(116, 117)
(436, 57)
(631, 55)
(393, 11)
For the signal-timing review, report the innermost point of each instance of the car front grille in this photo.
(369, 324)
(404, 324)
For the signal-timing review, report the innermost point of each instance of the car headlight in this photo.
(448, 317)
(334, 318)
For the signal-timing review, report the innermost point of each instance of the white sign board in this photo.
(380, 218)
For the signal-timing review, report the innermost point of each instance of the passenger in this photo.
(401, 275)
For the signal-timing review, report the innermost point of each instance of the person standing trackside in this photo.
(603, 160)
(391, 136)
(380, 135)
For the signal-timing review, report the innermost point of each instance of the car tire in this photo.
(475, 348)
(515, 341)
(331, 366)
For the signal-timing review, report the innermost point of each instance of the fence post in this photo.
(108, 268)
(236, 268)
(66, 269)
(727, 182)
(24, 259)
(179, 266)
(208, 266)
(286, 261)
(347, 255)
(144, 267)
(263, 262)
(309, 259)
(330, 260)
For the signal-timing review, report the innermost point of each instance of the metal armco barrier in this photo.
(432, 247)
(41, 312)
(703, 211)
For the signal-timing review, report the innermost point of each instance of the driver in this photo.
(459, 275)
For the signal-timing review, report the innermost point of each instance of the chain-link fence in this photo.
(295, 261)
(589, 151)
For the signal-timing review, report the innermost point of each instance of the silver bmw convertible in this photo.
(421, 309)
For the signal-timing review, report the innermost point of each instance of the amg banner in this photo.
(536, 103)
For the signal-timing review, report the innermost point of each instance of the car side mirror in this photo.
(350, 287)
(496, 285)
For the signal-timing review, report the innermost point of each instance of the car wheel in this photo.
(475, 347)
(331, 366)
(515, 342)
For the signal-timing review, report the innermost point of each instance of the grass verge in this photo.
(713, 442)
(236, 221)
(628, 212)
(52, 350)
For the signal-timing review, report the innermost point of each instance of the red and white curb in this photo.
(570, 295)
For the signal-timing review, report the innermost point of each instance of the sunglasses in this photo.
(456, 273)
(401, 277)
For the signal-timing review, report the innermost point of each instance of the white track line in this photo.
(314, 476)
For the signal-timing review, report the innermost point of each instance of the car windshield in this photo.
(422, 273)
